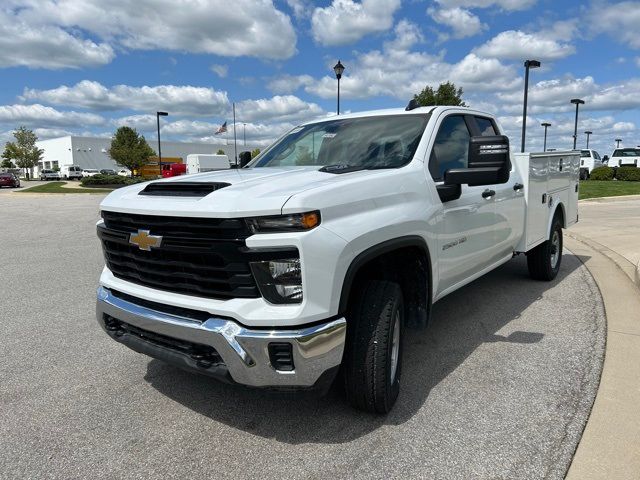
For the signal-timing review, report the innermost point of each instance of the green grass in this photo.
(57, 187)
(597, 189)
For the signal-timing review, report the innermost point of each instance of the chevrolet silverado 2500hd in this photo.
(320, 251)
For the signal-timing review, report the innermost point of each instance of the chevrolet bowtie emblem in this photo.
(144, 240)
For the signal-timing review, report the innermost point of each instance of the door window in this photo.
(486, 127)
(451, 147)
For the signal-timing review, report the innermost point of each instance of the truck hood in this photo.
(255, 191)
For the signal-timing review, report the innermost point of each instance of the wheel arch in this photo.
(558, 211)
(395, 253)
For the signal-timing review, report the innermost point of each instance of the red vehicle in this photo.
(9, 180)
(173, 169)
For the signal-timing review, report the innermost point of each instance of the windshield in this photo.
(371, 142)
(627, 152)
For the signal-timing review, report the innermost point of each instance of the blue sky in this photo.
(78, 66)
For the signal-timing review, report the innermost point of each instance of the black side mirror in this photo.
(488, 164)
(605, 158)
(245, 157)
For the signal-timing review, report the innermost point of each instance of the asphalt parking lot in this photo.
(498, 386)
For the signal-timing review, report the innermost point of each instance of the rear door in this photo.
(465, 233)
(509, 199)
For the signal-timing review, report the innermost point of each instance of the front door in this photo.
(466, 228)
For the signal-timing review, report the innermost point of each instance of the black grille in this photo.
(182, 189)
(204, 257)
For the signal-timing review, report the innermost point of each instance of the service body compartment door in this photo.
(537, 200)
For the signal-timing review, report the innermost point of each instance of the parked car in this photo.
(49, 175)
(332, 251)
(173, 170)
(625, 157)
(589, 159)
(108, 171)
(71, 172)
(90, 172)
(9, 180)
(124, 172)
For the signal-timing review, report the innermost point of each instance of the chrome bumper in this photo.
(244, 352)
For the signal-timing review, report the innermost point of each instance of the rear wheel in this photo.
(373, 358)
(544, 260)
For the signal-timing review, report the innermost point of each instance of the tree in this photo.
(23, 150)
(6, 163)
(446, 94)
(255, 152)
(220, 152)
(130, 149)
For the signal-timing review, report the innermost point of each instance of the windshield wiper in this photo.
(344, 168)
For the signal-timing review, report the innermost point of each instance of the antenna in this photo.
(413, 104)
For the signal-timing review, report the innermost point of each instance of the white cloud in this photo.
(504, 4)
(637, 61)
(461, 21)
(250, 28)
(40, 116)
(619, 20)
(518, 45)
(347, 21)
(301, 8)
(289, 83)
(50, 47)
(221, 70)
(279, 108)
(177, 100)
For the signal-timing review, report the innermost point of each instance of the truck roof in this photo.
(398, 111)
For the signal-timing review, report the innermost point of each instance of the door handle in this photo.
(488, 193)
(518, 186)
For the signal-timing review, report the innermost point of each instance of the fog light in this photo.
(279, 281)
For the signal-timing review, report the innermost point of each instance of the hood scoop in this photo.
(182, 189)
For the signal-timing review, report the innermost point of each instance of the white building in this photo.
(91, 152)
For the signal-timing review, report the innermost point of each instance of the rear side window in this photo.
(451, 147)
(486, 127)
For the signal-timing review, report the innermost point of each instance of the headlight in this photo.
(295, 222)
(279, 281)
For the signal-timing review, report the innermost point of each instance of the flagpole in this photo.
(235, 145)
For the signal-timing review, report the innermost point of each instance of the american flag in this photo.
(222, 129)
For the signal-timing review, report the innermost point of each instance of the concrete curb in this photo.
(611, 199)
(610, 444)
(632, 271)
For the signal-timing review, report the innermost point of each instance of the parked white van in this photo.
(70, 172)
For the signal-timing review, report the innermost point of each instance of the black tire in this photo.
(544, 260)
(370, 383)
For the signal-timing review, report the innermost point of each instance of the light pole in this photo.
(545, 125)
(158, 115)
(588, 134)
(244, 133)
(338, 69)
(577, 102)
(527, 65)
(618, 140)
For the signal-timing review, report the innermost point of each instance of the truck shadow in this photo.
(461, 322)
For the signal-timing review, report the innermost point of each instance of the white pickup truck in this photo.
(316, 255)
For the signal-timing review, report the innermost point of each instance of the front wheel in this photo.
(373, 357)
(544, 260)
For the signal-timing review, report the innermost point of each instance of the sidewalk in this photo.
(606, 240)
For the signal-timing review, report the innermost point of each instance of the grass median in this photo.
(607, 188)
(58, 187)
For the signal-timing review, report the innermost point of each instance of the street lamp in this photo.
(158, 115)
(588, 133)
(618, 140)
(527, 65)
(338, 69)
(545, 125)
(577, 102)
(244, 133)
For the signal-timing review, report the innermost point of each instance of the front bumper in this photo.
(243, 354)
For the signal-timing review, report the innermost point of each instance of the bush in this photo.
(602, 173)
(114, 180)
(628, 174)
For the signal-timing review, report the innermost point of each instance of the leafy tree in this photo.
(6, 163)
(446, 94)
(130, 149)
(220, 152)
(23, 150)
(255, 152)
